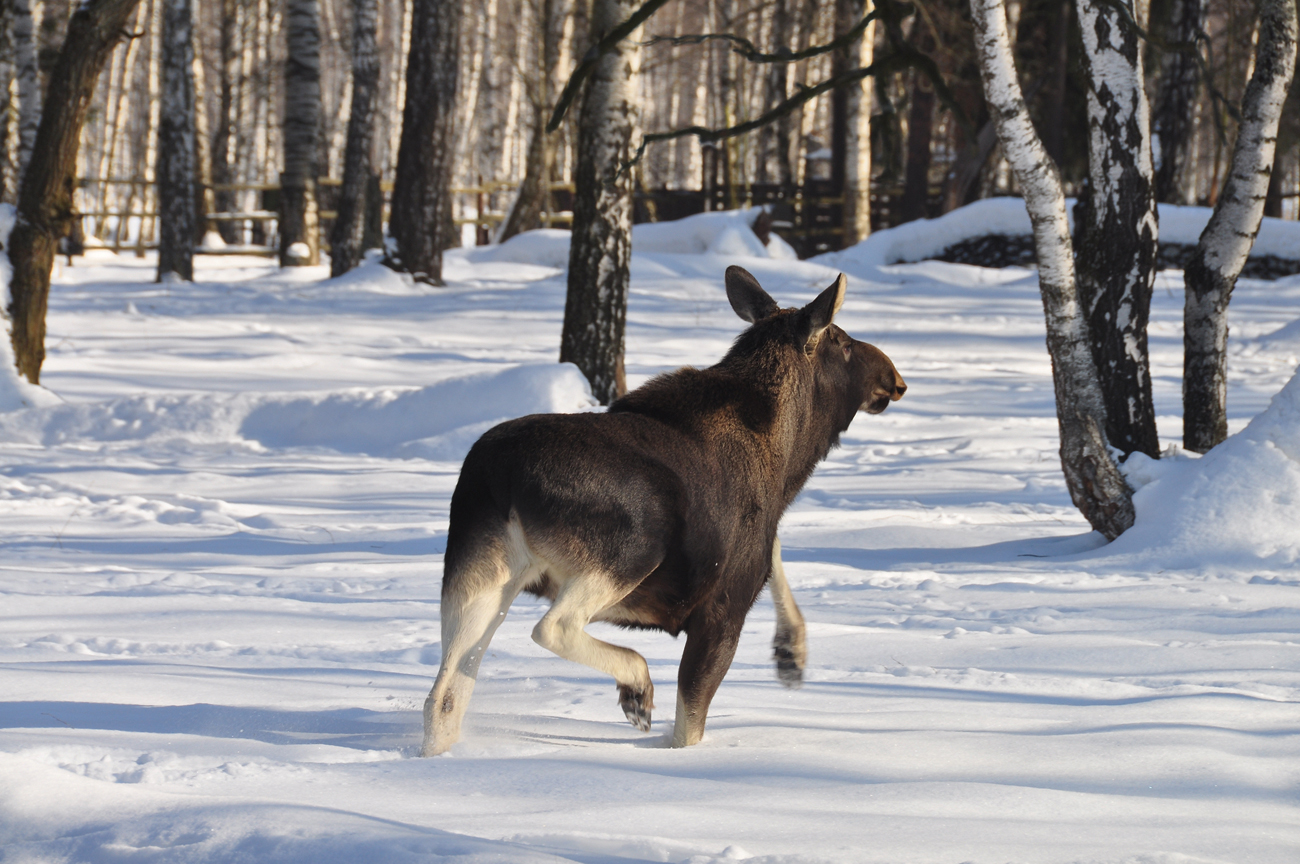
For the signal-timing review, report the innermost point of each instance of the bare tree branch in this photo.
(746, 49)
(593, 55)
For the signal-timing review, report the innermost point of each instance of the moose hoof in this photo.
(637, 705)
(789, 666)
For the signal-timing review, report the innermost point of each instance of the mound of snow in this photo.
(723, 232)
(1237, 506)
(440, 421)
(545, 247)
(926, 238)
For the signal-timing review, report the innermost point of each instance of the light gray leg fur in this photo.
(789, 646)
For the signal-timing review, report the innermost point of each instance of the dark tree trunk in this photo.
(774, 139)
(302, 121)
(176, 163)
(600, 254)
(348, 236)
(223, 136)
(1228, 237)
(1042, 57)
(916, 183)
(45, 201)
(1116, 218)
(920, 124)
(421, 210)
(1273, 200)
(1173, 116)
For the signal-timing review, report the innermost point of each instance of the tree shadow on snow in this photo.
(356, 728)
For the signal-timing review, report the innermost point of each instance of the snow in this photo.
(219, 582)
(925, 238)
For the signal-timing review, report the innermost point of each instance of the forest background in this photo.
(516, 54)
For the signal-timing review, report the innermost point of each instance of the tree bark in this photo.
(346, 240)
(302, 123)
(534, 191)
(1173, 116)
(600, 254)
(1117, 221)
(176, 153)
(1228, 237)
(920, 125)
(421, 209)
(777, 138)
(45, 200)
(7, 170)
(850, 126)
(1093, 478)
(224, 135)
(29, 81)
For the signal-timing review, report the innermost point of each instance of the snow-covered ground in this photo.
(219, 577)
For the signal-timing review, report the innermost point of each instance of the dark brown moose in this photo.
(660, 514)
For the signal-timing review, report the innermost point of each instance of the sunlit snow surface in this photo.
(216, 633)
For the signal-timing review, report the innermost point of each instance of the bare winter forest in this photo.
(515, 55)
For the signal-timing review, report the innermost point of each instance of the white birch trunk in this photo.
(857, 145)
(1228, 237)
(1094, 481)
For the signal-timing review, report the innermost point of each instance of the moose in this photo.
(659, 514)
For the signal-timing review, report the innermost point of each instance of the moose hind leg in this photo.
(562, 631)
(471, 614)
(710, 648)
(790, 644)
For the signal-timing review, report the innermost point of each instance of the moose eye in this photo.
(848, 352)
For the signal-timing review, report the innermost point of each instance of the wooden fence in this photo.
(808, 217)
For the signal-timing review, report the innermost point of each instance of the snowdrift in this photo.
(439, 422)
(928, 238)
(725, 232)
(1238, 503)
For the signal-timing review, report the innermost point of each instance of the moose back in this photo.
(660, 514)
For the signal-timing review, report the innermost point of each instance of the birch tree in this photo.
(600, 252)
(1117, 220)
(45, 200)
(6, 99)
(851, 135)
(302, 123)
(421, 223)
(1093, 478)
(27, 71)
(176, 145)
(1228, 237)
(349, 227)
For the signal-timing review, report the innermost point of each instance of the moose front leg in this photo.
(789, 645)
(710, 648)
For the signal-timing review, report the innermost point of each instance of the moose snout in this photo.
(884, 393)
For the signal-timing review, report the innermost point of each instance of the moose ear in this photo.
(747, 297)
(817, 315)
